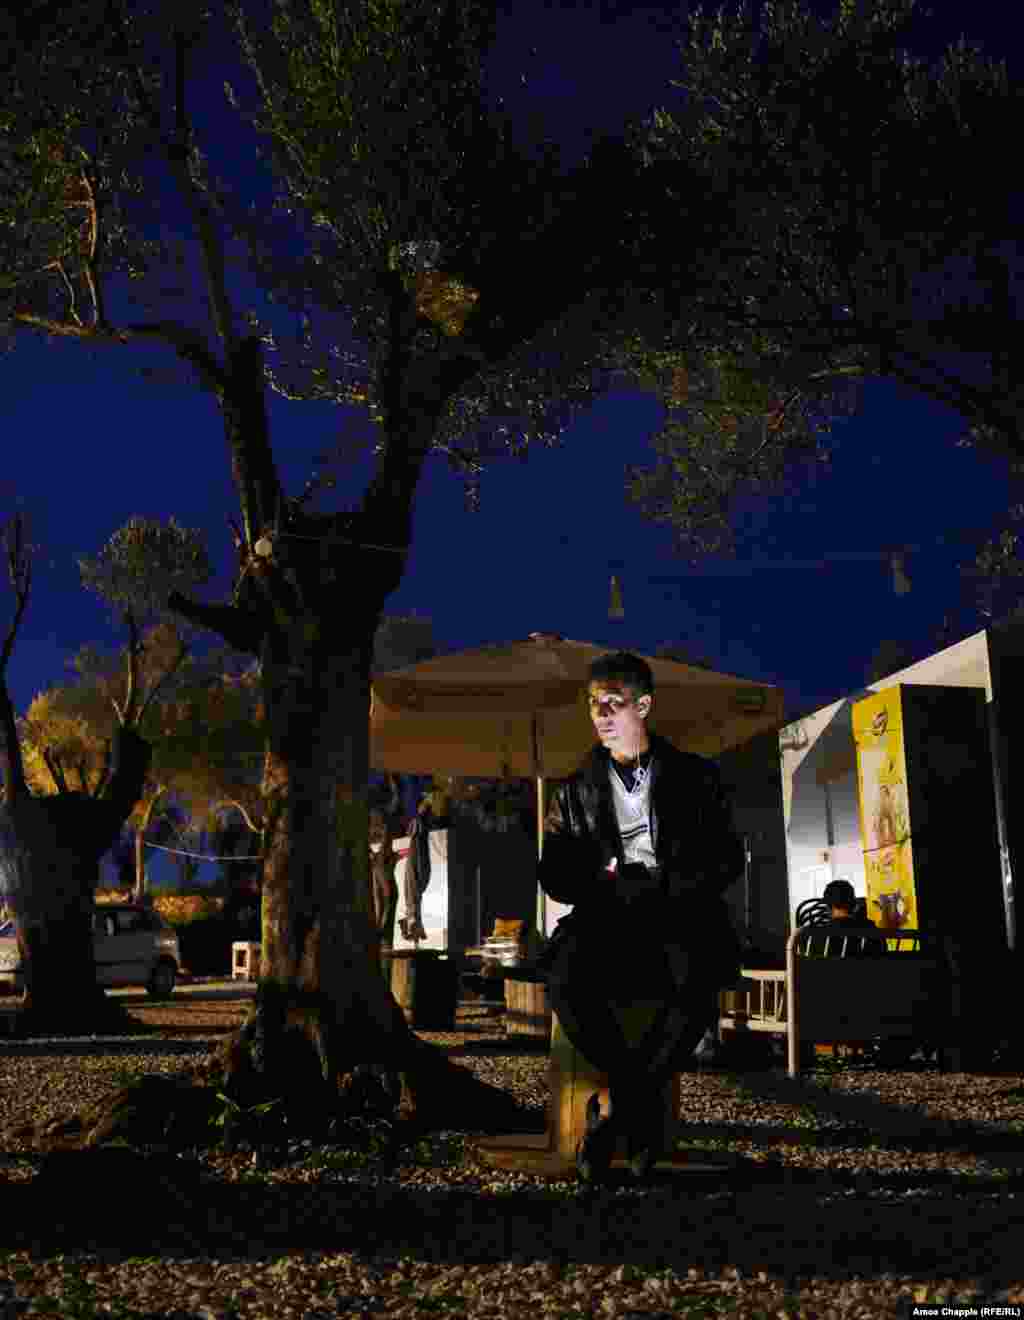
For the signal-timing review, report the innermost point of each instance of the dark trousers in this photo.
(637, 1072)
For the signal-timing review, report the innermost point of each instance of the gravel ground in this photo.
(852, 1196)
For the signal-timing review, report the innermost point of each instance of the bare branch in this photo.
(168, 673)
(70, 329)
(233, 802)
(248, 434)
(194, 198)
(108, 768)
(238, 627)
(188, 343)
(19, 568)
(72, 296)
(56, 772)
(960, 395)
(176, 153)
(126, 714)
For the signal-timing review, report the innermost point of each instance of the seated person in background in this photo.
(842, 899)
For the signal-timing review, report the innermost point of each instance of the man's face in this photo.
(618, 715)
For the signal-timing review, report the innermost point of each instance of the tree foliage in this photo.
(204, 736)
(866, 236)
(216, 749)
(73, 191)
(142, 563)
(439, 202)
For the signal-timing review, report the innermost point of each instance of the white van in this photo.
(133, 945)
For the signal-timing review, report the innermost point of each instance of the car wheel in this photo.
(161, 983)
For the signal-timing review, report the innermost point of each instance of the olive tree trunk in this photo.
(56, 844)
(324, 1014)
(308, 606)
(54, 915)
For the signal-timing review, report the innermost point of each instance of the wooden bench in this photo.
(911, 993)
(757, 1002)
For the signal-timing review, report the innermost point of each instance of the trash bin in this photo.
(426, 984)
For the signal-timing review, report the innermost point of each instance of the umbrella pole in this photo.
(541, 896)
(535, 748)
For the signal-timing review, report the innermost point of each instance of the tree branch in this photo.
(127, 714)
(239, 628)
(248, 436)
(132, 756)
(19, 568)
(189, 344)
(176, 153)
(56, 773)
(192, 195)
(107, 771)
(233, 802)
(72, 296)
(151, 801)
(168, 673)
(961, 396)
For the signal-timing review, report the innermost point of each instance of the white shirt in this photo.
(633, 816)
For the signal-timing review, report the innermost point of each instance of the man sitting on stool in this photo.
(641, 843)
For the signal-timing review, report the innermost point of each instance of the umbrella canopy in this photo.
(519, 710)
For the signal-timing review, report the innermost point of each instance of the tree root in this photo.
(288, 1072)
(291, 1049)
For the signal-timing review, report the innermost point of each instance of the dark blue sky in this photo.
(88, 444)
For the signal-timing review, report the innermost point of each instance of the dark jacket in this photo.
(696, 846)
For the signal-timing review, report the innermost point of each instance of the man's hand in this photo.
(635, 881)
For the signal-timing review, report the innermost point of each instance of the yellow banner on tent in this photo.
(884, 810)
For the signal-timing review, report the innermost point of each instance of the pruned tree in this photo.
(202, 728)
(140, 565)
(490, 291)
(54, 844)
(78, 768)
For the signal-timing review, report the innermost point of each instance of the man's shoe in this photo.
(645, 1140)
(642, 1160)
(596, 1146)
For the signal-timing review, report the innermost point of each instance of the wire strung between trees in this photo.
(333, 540)
(205, 857)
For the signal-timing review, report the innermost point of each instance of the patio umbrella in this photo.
(518, 711)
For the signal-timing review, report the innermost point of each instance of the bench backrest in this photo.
(858, 998)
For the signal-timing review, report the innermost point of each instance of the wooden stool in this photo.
(573, 1080)
(527, 1006)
